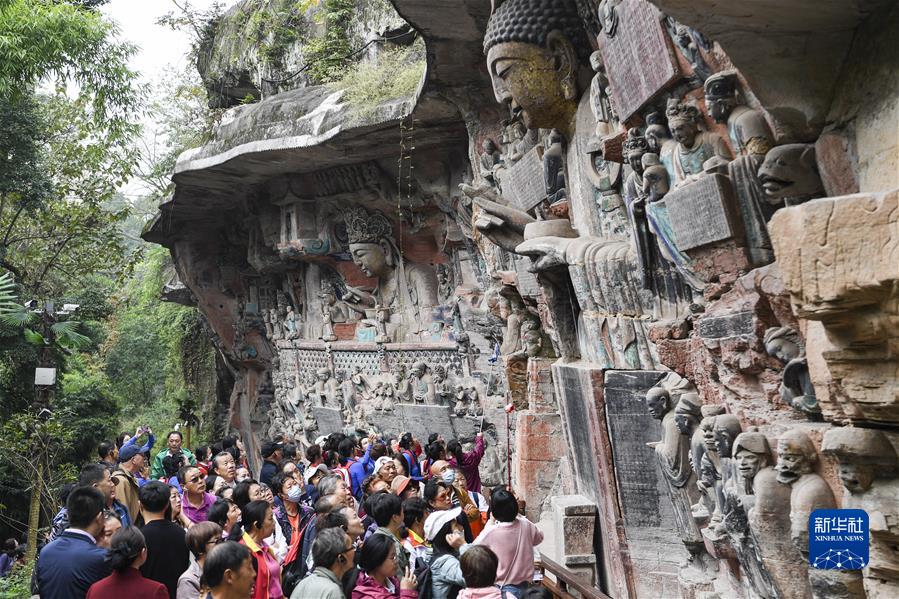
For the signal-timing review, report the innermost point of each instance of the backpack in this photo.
(423, 575)
(295, 571)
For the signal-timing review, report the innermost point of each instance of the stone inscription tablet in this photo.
(527, 281)
(639, 60)
(699, 211)
(630, 429)
(422, 420)
(526, 182)
(329, 420)
(731, 325)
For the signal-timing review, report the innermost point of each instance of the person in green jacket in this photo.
(332, 555)
(173, 440)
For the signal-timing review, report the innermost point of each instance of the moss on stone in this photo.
(393, 75)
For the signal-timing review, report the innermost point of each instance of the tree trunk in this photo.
(34, 509)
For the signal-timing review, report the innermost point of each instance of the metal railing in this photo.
(566, 584)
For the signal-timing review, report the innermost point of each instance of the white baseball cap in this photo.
(379, 463)
(310, 472)
(438, 520)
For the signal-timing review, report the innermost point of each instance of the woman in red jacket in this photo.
(375, 578)
(127, 553)
(257, 524)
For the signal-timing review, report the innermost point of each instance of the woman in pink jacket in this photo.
(375, 577)
(512, 538)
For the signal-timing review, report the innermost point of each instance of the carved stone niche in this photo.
(839, 260)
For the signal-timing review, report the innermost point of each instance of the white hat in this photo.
(379, 463)
(438, 519)
(310, 472)
(321, 440)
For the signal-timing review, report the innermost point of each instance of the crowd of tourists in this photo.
(352, 517)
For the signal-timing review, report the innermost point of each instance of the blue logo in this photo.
(838, 539)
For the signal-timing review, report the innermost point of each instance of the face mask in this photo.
(295, 493)
(449, 476)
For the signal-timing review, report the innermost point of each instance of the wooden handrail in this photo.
(565, 579)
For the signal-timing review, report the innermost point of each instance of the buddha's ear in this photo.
(388, 252)
(565, 60)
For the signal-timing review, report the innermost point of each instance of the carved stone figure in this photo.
(656, 133)
(688, 42)
(290, 323)
(599, 95)
(422, 385)
(704, 459)
(275, 321)
(382, 314)
(690, 147)
(327, 321)
(442, 390)
(325, 390)
(408, 290)
(751, 455)
(532, 57)
(554, 168)
(656, 182)
(461, 401)
(655, 178)
(445, 282)
(784, 501)
(790, 176)
(608, 16)
(267, 321)
(751, 138)
(490, 157)
(475, 409)
(512, 310)
(402, 384)
(796, 389)
(532, 338)
(869, 471)
(673, 454)
(635, 146)
(725, 429)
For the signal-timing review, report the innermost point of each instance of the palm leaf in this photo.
(34, 338)
(7, 293)
(67, 335)
(16, 316)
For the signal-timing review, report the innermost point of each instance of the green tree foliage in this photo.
(67, 43)
(145, 355)
(328, 56)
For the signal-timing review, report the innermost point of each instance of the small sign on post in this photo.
(44, 377)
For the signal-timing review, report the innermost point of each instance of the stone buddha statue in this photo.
(408, 290)
(533, 55)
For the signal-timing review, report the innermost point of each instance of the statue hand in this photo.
(357, 296)
(503, 225)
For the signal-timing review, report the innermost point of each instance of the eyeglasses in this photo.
(195, 480)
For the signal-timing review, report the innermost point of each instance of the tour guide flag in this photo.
(838, 539)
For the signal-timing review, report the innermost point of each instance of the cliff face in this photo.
(262, 47)
(631, 221)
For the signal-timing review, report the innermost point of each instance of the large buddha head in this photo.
(533, 52)
(370, 241)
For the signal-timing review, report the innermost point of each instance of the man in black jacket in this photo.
(167, 553)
